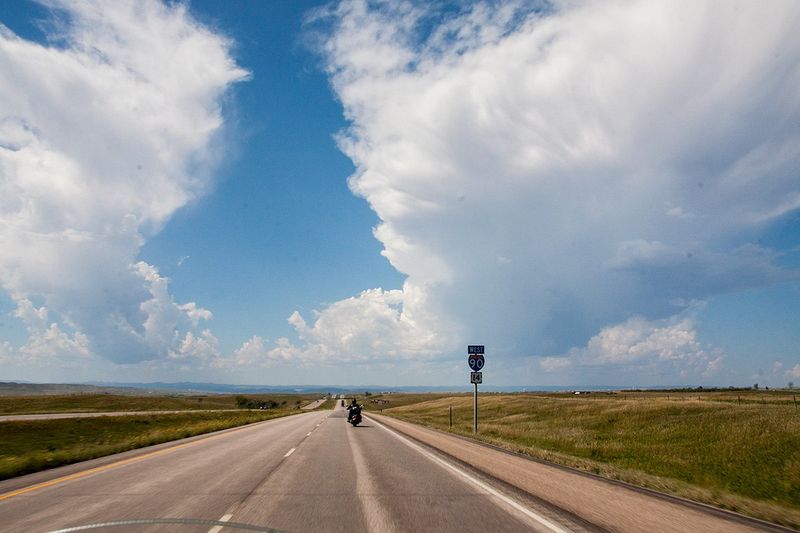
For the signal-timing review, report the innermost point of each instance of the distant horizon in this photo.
(300, 387)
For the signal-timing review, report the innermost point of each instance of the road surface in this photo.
(308, 472)
(314, 404)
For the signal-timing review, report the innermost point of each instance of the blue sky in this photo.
(349, 193)
(281, 223)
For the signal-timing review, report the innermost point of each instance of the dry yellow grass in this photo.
(706, 446)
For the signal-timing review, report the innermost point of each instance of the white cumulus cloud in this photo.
(46, 341)
(373, 326)
(618, 156)
(199, 349)
(105, 131)
(639, 342)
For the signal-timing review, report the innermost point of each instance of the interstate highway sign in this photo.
(475, 362)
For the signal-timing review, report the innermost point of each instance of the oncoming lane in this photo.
(201, 479)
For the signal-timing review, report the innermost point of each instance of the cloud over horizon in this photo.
(639, 349)
(545, 174)
(105, 132)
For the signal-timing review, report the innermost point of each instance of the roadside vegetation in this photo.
(32, 445)
(377, 402)
(735, 449)
(243, 402)
(89, 403)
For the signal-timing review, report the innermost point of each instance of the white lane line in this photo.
(475, 481)
(217, 529)
(290, 452)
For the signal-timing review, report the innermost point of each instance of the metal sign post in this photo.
(475, 378)
(475, 410)
(475, 360)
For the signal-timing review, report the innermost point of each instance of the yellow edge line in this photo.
(110, 466)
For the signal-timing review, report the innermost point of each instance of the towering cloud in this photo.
(104, 133)
(544, 173)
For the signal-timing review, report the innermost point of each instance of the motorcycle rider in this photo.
(353, 409)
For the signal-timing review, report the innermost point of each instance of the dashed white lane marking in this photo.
(217, 529)
(475, 481)
(290, 452)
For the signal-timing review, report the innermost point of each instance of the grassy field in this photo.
(376, 402)
(85, 403)
(737, 450)
(33, 445)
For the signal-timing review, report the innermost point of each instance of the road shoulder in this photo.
(605, 503)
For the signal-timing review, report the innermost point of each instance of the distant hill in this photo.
(32, 389)
(225, 388)
(188, 387)
(135, 388)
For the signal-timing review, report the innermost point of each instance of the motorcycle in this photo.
(355, 416)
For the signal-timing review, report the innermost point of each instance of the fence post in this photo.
(451, 415)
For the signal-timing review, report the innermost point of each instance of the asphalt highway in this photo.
(308, 472)
(314, 404)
